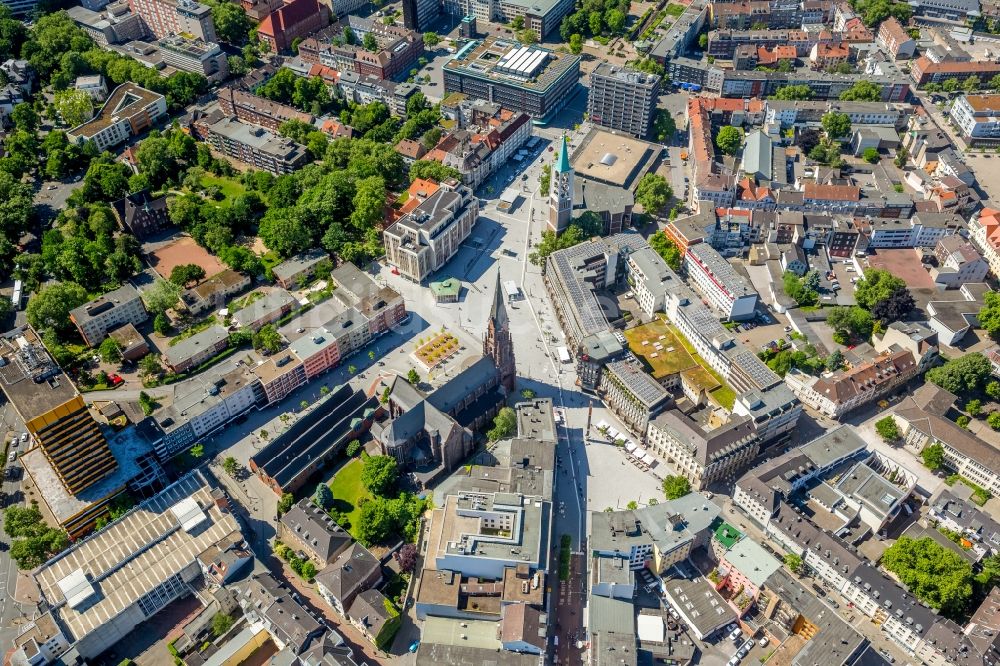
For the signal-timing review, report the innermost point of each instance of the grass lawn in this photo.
(674, 10)
(348, 491)
(270, 260)
(671, 358)
(229, 187)
(724, 395)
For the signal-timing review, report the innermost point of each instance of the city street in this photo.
(11, 612)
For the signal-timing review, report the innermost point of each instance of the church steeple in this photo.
(498, 344)
(561, 190)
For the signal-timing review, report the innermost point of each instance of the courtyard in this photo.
(349, 492)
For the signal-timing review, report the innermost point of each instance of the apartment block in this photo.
(717, 279)
(651, 279)
(924, 71)
(256, 146)
(164, 18)
(397, 48)
(264, 310)
(540, 17)
(431, 232)
(214, 292)
(129, 111)
(307, 528)
(96, 318)
(847, 390)
(194, 55)
(195, 350)
(279, 375)
(293, 270)
(623, 99)
(895, 40)
(202, 405)
(958, 263)
(978, 118)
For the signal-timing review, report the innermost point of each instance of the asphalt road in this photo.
(11, 613)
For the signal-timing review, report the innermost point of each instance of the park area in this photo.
(666, 352)
(349, 492)
(439, 348)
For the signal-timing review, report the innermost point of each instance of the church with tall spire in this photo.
(432, 433)
(497, 343)
(561, 190)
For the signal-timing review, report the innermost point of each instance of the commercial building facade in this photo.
(978, 117)
(623, 99)
(195, 55)
(716, 278)
(520, 78)
(428, 236)
(175, 17)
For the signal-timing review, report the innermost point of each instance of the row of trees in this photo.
(861, 91)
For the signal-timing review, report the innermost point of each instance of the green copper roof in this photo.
(563, 165)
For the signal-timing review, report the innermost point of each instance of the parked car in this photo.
(414, 645)
(736, 633)
(24, 437)
(116, 380)
(763, 641)
(12, 457)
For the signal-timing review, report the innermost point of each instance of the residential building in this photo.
(953, 318)
(528, 79)
(633, 395)
(984, 230)
(420, 15)
(949, 10)
(718, 281)
(195, 350)
(256, 146)
(968, 520)
(308, 529)
(256, 110)
(95, 318)
(825, 56)
(280, 374)
(214, 292)
(623, 99)
(383, 306)
(353, 571)
(294, 19)
(847, 390)
(315, 439)
(194, 55)
(267, 309)
(924, 71)
(375, 616)
(978, 118)
(163, 18)
(131, 344)
(916, 337)
(270, 606)
(129, 111)
(923, 423)
(432, 230)
(142, 214)
(801, 112)
(655, 537)
(489, 138)
(895, 40)
(699, 452)
(104, 586)
(923, 229)
(292, 271)
(958, 263)
(54, 414)
(92, 85)
(203, 405)
(397, 51)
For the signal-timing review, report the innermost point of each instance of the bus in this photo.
(15, 297)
